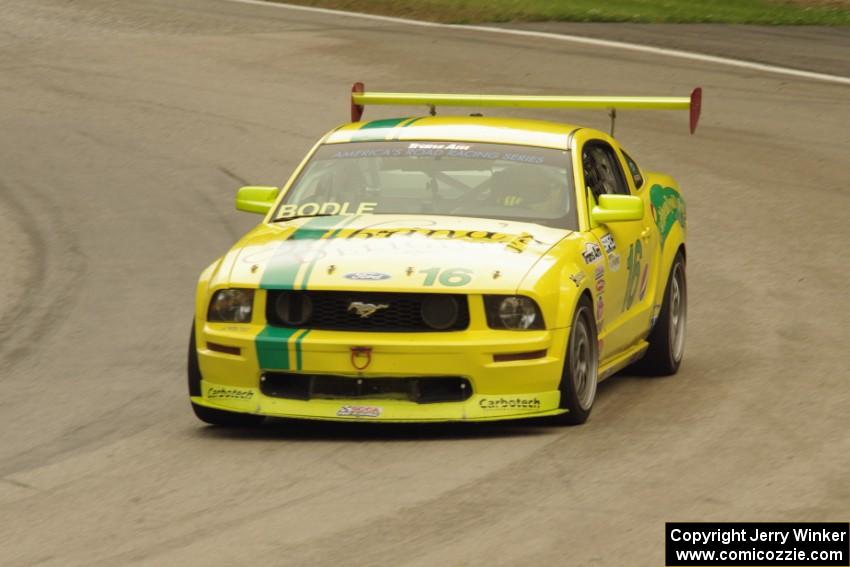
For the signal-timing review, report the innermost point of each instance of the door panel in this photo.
(623, 275)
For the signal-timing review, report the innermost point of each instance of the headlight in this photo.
(512, 312)
(231, 305)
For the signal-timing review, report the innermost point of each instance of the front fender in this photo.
(202, 294)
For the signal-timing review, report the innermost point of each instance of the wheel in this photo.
(667, 339)
(581, 366)
(210, 415)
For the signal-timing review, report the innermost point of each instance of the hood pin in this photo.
(331, 269)
(409, 271)
(254, 268)
(496, 274)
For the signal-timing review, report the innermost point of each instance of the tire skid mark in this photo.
(33, 283)
(99, 430)
(45, 303)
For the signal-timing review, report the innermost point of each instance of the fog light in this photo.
(294, 309)
(439, 311)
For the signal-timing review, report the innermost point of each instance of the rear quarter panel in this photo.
(667, 207)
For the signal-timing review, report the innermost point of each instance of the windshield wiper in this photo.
(293, 217)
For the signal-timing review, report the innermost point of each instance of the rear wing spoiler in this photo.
(693, 103)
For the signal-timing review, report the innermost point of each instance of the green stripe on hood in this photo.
(282, 269)
(272, 343)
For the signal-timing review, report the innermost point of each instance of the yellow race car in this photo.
(451, 268)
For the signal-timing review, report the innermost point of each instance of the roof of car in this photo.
(457, 128)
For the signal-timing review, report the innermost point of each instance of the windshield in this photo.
(436, 178)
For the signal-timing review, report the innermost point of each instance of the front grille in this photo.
(338, 310)
(422, 390)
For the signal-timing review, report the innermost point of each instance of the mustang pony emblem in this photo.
(365, 309)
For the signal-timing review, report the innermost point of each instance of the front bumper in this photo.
(500, 390)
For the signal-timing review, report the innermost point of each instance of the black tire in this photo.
(210, 415)
(581, 366)
(667, 339)
(193, 372)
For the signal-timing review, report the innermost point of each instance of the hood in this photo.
(388, 252)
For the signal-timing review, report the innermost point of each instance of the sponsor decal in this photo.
(599, 275)
(436, 146)
(497, 403)
(600, 285)
(633, 264)
(365, 310)
(361, 357)
(359, 411)
(327, 208)
(600, 310)
(577, 278)
(668, 207)
(514, 242)
(592, 252)
(437, 149)
(367, 276)
(216, 393)
(610, 246)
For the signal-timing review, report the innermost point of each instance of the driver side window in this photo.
(602, 172)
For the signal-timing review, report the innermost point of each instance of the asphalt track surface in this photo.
(127, 127)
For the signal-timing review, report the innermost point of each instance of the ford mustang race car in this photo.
(446, 268)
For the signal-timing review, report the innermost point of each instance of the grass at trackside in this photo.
(794, 12)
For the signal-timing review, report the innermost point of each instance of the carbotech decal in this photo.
(667, 208)
(229, 393)
(509, 403)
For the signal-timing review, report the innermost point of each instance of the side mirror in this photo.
(617, 208)
(256, 199)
